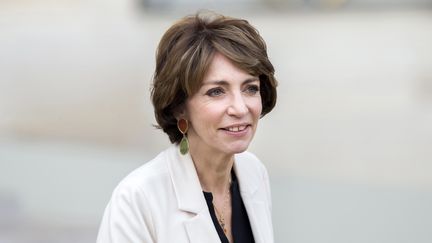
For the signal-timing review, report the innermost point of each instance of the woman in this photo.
(213, 81)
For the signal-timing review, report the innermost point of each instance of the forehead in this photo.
(223, 69)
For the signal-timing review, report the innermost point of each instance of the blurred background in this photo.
(348, 147)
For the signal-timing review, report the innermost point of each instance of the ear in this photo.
(180, 112)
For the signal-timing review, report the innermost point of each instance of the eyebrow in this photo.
(225, 83)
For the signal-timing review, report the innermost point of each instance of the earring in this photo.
(183, 126)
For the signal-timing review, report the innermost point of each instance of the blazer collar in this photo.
(188, 188)
(245, 175)
(191, 199)
(186, 182)
(256, 207)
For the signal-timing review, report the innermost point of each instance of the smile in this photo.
(236, 128)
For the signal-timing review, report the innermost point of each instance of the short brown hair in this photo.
(185, 53)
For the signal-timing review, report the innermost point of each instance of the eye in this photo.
(252, 89)
(214, 92)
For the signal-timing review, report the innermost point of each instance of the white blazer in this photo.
(162, 202)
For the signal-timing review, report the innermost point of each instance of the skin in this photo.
(223, 116)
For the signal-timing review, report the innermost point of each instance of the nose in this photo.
(238, 106)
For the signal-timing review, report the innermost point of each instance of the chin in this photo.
(237, 148)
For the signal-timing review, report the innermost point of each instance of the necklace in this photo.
(221, 215)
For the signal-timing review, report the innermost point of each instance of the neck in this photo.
(213, 169)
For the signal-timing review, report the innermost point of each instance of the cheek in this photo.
(205, 114)
(256, 108)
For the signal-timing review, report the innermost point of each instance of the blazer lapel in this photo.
(258, 215)
(200, 229)
(251, 190)
(190, 198)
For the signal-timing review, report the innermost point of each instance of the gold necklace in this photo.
(221, 215)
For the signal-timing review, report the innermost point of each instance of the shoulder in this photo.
(153, 173)
(131, 214)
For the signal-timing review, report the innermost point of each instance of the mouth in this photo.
(236, 128)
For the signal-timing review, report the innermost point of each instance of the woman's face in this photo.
(224, 113)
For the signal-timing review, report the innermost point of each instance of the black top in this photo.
(241, 229)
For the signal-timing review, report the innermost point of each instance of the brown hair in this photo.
(185, 53)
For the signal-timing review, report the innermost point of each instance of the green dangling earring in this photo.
(183, 126)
